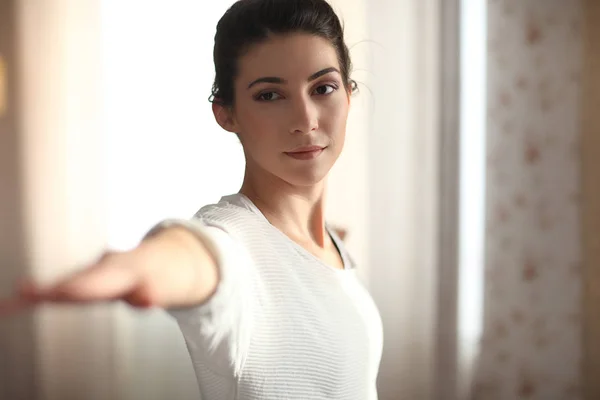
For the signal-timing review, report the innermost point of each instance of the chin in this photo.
(306, 177)
(305, 181)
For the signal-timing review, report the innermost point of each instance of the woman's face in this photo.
(291, 107)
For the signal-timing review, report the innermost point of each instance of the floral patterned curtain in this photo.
(531, 346)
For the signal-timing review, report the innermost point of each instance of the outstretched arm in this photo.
(172, 268)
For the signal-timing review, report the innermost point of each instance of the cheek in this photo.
(334, 118)
(258, 131)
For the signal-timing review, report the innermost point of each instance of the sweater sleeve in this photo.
(218, 331)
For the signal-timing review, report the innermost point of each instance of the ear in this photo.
(224, 117)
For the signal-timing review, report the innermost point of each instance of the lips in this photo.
(306, 152)
(306, 149)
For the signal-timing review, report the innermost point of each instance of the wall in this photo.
(53, 196)
(590, 213)
(531, 346)
(17, 362)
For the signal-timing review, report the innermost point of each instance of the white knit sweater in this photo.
(282, 324)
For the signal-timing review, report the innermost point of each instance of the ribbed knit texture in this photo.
(282, 324)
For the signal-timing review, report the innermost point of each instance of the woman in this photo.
(264, 292)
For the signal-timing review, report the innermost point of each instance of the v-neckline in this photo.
(345, 260)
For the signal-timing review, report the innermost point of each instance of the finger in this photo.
(26, 288)
(141, 297)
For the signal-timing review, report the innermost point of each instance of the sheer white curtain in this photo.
(403, 151)
(427, 167)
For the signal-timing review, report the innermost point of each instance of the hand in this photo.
(172, 268)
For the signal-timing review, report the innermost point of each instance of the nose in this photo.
(304, 116)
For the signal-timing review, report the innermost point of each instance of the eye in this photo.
(324, 90)
(268, 96)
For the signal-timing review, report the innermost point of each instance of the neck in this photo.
(297, 211)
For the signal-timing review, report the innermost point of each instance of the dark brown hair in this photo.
(249, 22)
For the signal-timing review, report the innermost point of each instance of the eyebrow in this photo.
(274, 79)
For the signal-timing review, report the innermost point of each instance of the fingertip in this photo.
(29, 290)
(141, 297)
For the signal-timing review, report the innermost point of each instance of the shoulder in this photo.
(229, 207)
(232, 215)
